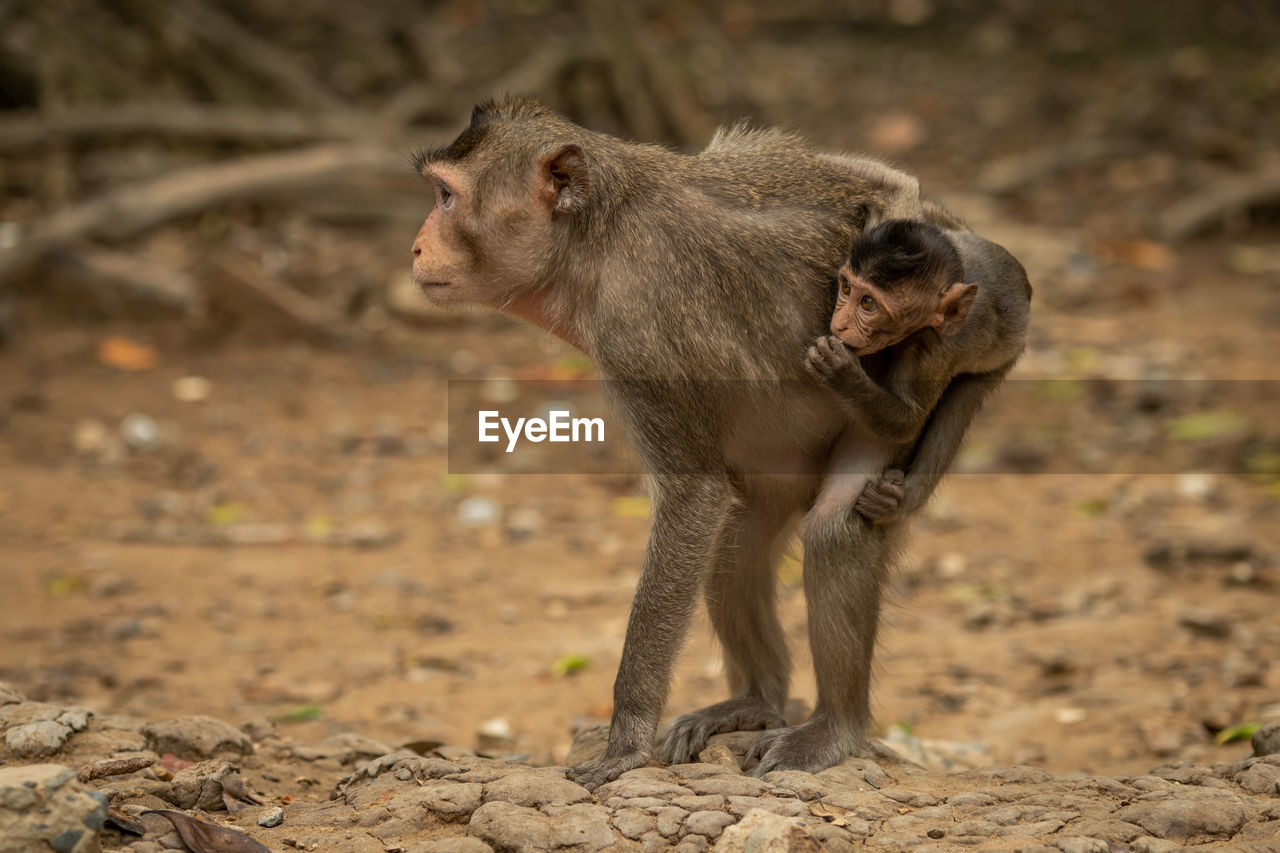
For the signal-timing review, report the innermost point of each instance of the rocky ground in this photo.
(77, 782)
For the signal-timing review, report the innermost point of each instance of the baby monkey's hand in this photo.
(829, 360)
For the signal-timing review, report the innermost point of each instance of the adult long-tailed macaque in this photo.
(696, 283)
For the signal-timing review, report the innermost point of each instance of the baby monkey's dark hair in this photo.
(900, 250)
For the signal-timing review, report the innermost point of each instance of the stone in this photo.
(33, 740)
(274, 817)
(670, 820)
(631, 784)
(1015, 774)
(1259, 779)
(44, 807)
(583, 827)
(635, 803)
(699, 770)
(463, 844)
(198, 786)
(765, 832)
(197, 738)
(699, 803)
(691, 844)
(1154, 845)
(806, 786)
(739, 806)
(1076, 844)
(509, 828)
(634, 823)
(729, 786)
(708, 823)
(535, 788)
(1266, 741)
(9, 694)
(974, 826)
(417, 808)
(858, 774)
(914, 799)
(1186, 819)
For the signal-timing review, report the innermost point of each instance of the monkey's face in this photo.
(869, 318)
(474, 249)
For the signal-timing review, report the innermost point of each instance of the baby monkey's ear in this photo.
(953, 308)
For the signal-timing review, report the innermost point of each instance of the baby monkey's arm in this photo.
(884, 413)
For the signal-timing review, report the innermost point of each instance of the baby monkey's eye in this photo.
(867, 303)
(446, 197)
(845, 287)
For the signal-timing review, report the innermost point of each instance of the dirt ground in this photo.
(1065, 617)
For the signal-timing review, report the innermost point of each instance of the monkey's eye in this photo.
(845, 287)
(446, 197)
(868, 304)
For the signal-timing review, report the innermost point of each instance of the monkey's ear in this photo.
(954, 307)
(565, 180)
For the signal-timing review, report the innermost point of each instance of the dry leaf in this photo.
(124, 822)
(834, 814)
(203, 837)
(124, 354)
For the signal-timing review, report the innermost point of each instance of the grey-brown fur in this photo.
(696, 284)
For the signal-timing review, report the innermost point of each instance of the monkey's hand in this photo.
(882, 501)
(831, 362)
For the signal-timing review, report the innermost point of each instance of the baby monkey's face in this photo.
(869, 318)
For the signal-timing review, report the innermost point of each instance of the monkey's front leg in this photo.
(689, 515)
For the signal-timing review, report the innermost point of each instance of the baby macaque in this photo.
(936, 347)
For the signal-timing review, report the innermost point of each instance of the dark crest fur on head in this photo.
(899, 250)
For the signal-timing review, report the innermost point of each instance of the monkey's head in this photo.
(901, 277)
(502, 189)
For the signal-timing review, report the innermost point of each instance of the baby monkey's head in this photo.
(901, 277)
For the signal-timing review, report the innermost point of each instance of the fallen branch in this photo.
(257, 54)
(240, 283)
(1014, 173)
(181, 121)
(114, 767)
(133, 210)
(133, 277)
(615, 41)
(1231, 196)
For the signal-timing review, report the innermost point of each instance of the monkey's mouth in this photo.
(432, 285)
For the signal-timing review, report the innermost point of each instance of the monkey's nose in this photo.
(417, 250)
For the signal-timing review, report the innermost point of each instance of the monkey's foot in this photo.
(689, 734)
(596, 773)
(811, 746)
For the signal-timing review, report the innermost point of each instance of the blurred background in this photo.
(223, 477)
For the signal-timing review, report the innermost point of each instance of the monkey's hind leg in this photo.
(741, 601)
(846, 561)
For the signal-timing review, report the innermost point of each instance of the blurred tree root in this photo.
(151, 114)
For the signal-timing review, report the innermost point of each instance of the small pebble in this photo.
(479, 512)
(192, 389)
(140, 432)
(275, 817)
